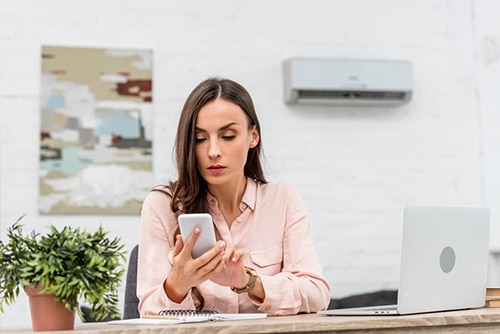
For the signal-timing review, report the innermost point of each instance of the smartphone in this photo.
(206, 240)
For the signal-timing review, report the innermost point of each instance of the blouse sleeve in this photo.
(156, 242)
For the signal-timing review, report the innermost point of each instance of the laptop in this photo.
(444, 262)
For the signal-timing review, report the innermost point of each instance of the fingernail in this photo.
(234, 259)
(222, 244)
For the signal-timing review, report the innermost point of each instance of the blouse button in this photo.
(238, 220)
(268, 308)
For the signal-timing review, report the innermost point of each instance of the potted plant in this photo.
(69, 264)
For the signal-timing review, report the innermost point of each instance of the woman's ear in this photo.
(254, 137)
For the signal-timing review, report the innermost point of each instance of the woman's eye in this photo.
(231, 137)
(200, 140)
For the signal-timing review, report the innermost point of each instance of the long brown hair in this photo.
(189, 192)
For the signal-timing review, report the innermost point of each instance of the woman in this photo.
(265, 258)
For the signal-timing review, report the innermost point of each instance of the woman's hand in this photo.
(188, 272)
(233, 273)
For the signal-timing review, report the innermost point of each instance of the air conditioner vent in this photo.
(348, 94)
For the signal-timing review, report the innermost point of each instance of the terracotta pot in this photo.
(46, 313)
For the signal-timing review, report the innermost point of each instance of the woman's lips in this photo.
(216, 169)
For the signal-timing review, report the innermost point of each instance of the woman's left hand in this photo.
(233, 273)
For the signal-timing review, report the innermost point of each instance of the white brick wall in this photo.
(354, 166)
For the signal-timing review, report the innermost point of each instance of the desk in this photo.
(486, 320)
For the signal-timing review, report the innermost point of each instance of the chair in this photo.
(382, 297)
(131, 302)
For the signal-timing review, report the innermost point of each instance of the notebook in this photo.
(171, 317)
(444, 262)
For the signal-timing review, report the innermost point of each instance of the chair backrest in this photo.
(131, 304)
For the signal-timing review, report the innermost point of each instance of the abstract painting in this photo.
(96, 130)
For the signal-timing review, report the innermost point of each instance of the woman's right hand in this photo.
(188, 272)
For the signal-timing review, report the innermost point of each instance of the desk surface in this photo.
(485, 320)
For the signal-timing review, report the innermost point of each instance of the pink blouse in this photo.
(273, 230)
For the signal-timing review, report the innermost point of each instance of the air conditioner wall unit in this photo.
(347, 81)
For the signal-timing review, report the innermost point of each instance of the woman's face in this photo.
(222, 142)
